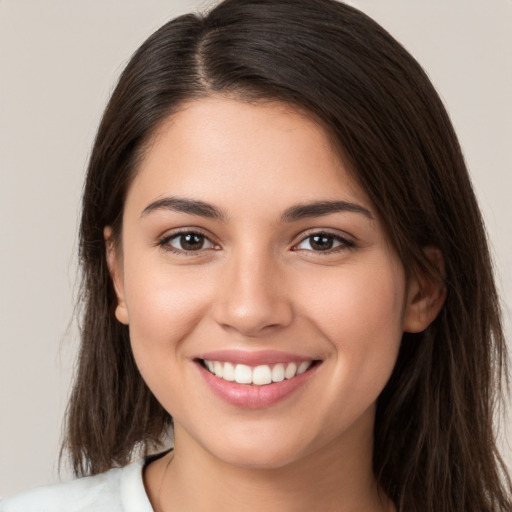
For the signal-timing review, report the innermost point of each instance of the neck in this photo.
(337, 478)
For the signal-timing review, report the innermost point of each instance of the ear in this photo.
(115, 267)
(426, 294)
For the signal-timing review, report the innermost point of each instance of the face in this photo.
(264, 302)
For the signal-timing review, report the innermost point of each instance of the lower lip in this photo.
(252, 396)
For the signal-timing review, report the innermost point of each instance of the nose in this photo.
(252, 297)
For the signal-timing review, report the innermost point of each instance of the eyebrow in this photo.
(319, 208)
(190, 206)
(294, 213)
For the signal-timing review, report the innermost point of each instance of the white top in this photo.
(116, 490)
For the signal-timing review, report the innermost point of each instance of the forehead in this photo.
(261, 153)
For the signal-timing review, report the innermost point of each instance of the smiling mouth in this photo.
(260, 375)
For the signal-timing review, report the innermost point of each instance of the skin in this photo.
(258, 283)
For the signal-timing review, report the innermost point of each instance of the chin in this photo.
(259, 458)
(258, 451)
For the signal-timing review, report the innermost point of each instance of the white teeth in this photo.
(291, 371)
(278, 373)
(303, 367)
(228, 372)
(260, 375)
(243, 374)
(218, 368)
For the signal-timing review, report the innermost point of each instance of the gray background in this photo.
(59, 60)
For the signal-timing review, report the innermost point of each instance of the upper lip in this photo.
(253, 358)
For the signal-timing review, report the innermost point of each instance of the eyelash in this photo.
(344, 244)
(165, 242)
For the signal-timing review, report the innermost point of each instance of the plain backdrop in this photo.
(59, 61)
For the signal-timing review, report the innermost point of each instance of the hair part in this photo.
(435, 447)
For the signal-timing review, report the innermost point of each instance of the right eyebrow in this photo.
(320, 208)
(190, 206)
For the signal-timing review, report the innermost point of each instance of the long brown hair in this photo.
(435, 445)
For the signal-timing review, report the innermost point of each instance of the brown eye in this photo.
(189, 242)
(322, 242)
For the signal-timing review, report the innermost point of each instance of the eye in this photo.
(187, 241)
(323, 242)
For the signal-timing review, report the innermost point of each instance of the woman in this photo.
(284, 259)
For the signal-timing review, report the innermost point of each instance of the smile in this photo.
(255, 379)
(260, 375)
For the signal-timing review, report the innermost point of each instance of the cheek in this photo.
(360, 313)
(357, 298)
(164, 308)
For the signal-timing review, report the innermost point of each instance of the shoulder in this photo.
(116, 490)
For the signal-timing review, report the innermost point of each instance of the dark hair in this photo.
(434, 445)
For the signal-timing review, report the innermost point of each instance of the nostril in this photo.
(253, 319)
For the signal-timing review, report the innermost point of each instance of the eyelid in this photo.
(346, 241)
(163, 240)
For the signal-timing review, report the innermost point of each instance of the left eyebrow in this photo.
(319, 208)
(190, 206)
